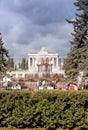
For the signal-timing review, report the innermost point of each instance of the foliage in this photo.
(44, 109)
(3, 58)
(77, 58)
(10, 64)
(24, 64)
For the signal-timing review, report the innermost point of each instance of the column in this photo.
(57, 62)
(28, 63)
(33, 62)
(53, 62)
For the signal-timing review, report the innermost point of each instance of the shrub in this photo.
(44, 109)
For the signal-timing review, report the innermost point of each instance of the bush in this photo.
(44, 109)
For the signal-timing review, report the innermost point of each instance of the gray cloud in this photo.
(28, 25)
(41, 11)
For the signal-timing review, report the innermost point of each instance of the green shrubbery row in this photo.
(48, 109)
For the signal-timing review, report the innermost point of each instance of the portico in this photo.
(44, 62)
(39, 63)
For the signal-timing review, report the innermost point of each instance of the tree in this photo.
(24, 64)
(10, 64)
(77, 58)
(3, 58)
(15, 67)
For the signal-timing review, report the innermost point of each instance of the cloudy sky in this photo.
(29, 25)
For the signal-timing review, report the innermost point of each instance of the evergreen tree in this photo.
(10, 64)
(77, 58)
(15, 67)
(24, 64)
(19, 65)
(3, 58)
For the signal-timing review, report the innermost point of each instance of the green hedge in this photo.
(48, 109)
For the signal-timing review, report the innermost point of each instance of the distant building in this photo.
(41, 62)
(44, 61)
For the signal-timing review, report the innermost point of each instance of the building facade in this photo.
(41, 62)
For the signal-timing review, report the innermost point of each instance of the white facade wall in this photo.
(35, 60)
(18, 73)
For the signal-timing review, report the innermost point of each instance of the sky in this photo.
(28, 25)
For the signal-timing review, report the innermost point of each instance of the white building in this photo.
(41, 62)
(44, 62)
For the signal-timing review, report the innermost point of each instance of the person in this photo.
(39, 84)
(75, 86)
(86, 85)
(71, 87)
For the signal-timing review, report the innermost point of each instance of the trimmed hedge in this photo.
(47, 109)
